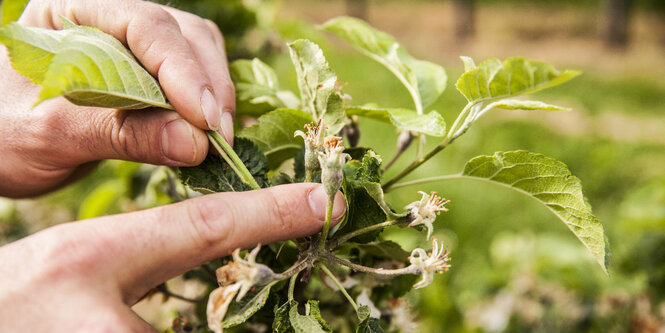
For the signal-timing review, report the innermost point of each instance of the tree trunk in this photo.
(464, 19)
(357, 8)
(618, 17)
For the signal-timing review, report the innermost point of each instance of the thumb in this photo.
(154, 136)
(148, 247)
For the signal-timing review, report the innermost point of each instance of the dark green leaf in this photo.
(384, 250)
(240, 310)
(362, 210)
(273, 134)
(282, 323)
(315, 312)
(215, 175)
(367, 324)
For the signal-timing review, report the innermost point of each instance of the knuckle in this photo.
(157, 16)
(123, 136)
(212, 221)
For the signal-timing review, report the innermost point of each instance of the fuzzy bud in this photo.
(332, 162)
(313, 143)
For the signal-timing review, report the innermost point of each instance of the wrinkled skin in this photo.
(84, 276)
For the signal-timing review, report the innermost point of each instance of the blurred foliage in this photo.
(515, 268)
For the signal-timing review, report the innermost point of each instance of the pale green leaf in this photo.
(550, 183)
(493, 79)
(92, 68)
(31, 49)
(85, 65)
(431, 123)
(11, 10)
(273, 134)
(257, 88)
(240, 310)
(516, 104)
(424, 80)
(316, 82)
(304, 324)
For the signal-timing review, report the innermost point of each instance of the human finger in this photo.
(207, 43)
(155, 38)
(75, 135)
(143, 249)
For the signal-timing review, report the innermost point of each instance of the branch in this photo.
(336, 242)
(376, 271)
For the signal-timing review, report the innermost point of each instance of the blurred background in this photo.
(516, 267)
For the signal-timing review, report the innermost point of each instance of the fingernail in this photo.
(178, 141)
(211, 112)
(227, 126)
(318, 201)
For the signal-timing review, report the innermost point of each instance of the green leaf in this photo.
(376, 192)
(384, 249)
(367, 324)
(362, 209)
(316, 82)
(282, 323)
(315, 312)
(431, 123)
(469, 64)
(103, 199)
(550, 183)
(240, 311)
(215, 175)
(370, 168)
(257, 88)
(424, 80)
(273, 134)
(493, 79)
(31, 49)
(85, 65)
(307, 323)
(11, 10)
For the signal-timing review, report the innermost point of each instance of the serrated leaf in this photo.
(550, 183)
(424, 80)
(493, 79)
(469, 64)
(257, 88)
(273, 134)
(376, 192)
(362, 210)
(282, 323)
(316, 82)
(431, 123)
(11, 10)
(305, 324)
(367, 324)
(88, 67)
(240, 311)
(215, 175)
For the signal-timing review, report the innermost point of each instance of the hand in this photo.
(84, 276)
(55, 143)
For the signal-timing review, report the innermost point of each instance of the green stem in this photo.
(461, 119)
(339, 286)
(428, 180)
(232, 159)
(326, 225)
(360, 231)
(308, 176)
(292, 285)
